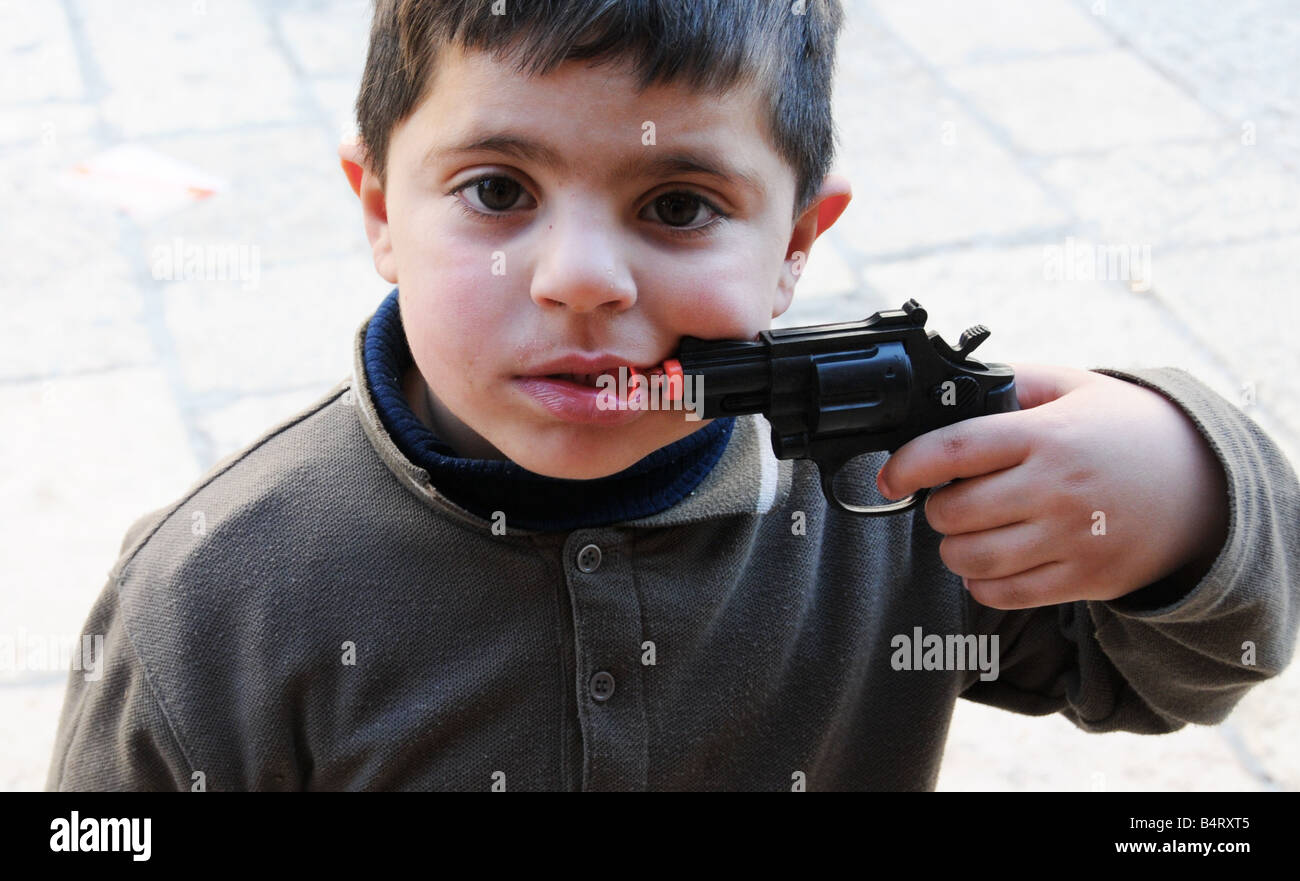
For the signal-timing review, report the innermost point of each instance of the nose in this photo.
(582, 267)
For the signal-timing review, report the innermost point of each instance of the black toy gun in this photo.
(836, 391)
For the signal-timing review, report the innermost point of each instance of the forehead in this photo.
(584, 116)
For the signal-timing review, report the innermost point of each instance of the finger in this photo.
(979, 503)
(1045, 585)
(968, 448)
(998, 553)
(1038, 384)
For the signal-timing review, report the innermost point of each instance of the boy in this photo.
(452, 573)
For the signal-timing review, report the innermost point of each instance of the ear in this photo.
(825, 209)
(352, 156)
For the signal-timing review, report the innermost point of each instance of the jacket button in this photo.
(589, 558)
(602, 686)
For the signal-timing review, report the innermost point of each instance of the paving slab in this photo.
(286, 196)
(983, 31)
(40, 56)
(103, 449)
(169, 67)
(926, 173)
(293, 330)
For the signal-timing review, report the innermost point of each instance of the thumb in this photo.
(1038, 384)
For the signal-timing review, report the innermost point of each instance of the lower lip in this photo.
(574, 402)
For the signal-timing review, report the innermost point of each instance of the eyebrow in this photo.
(658, 165)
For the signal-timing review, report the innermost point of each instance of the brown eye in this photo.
(497, 193)
(678, 209)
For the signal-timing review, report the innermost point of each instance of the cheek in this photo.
(454, 322)
(436, 256)
(725, 294)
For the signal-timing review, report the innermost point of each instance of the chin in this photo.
(574, 463)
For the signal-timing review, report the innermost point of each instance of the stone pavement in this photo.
(987, 143)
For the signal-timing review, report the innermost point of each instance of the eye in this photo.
(491, 194)
(683, 213)
(682, 209)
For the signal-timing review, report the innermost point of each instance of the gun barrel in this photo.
(736, 375)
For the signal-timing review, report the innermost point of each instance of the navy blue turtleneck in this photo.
(529, 500)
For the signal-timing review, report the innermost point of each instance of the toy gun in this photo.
(836, 391)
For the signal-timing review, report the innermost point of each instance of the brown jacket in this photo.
(311, 614)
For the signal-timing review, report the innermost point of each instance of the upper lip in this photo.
(582, 365)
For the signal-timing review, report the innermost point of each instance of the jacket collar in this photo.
(748, 479)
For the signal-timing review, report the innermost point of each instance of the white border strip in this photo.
(769, 468)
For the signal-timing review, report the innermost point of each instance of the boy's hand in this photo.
(1095, 488)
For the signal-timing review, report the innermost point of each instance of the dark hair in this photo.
(786, 47)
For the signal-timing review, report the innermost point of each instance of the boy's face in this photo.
(571, 248)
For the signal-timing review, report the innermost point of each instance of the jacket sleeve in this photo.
(113, 733)
(1161, 657)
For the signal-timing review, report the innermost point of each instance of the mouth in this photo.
(589, 380)
(578, 398)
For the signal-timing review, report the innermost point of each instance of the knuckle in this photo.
(1070, 503)
(955, 443)
(1077, 480)
(968, 557)
(982, 562)
(1002, 594)
(986, 594)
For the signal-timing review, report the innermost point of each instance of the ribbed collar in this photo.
(530, 501)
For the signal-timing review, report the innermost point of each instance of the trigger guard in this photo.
(904, 504)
